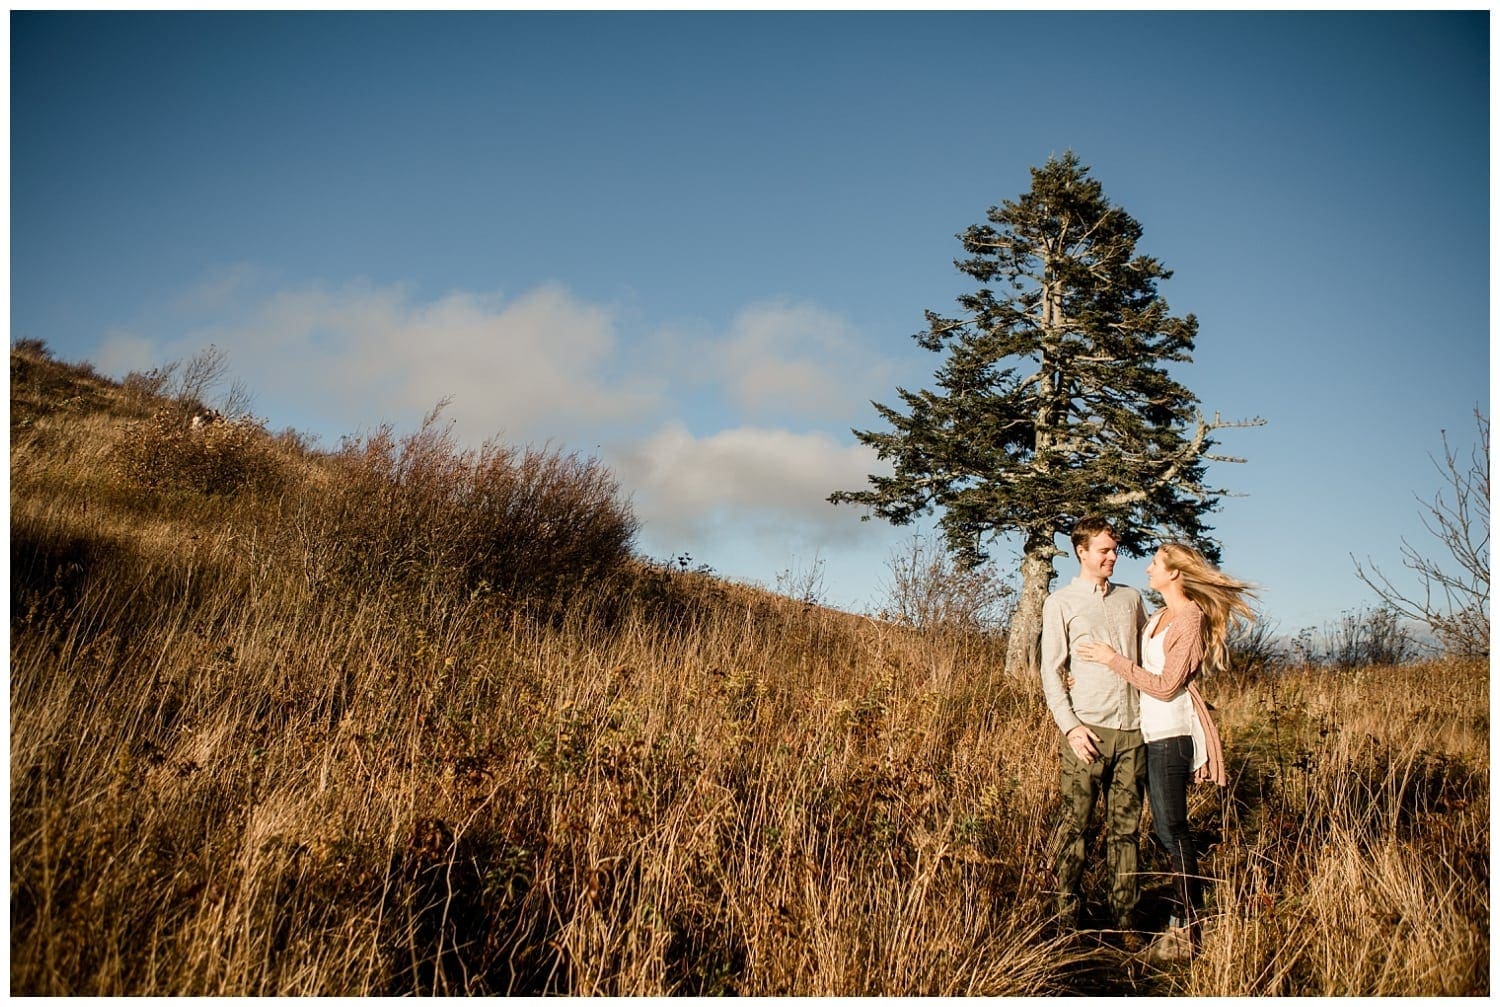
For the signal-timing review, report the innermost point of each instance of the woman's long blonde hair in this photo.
(1221, 597)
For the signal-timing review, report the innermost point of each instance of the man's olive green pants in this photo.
(1119, 772)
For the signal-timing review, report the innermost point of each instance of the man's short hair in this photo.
(1089, 526)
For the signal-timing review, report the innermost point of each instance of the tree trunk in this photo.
(1023, 648)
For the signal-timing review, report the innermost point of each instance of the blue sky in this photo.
(697, 244)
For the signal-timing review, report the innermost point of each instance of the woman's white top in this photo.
(1167, 718)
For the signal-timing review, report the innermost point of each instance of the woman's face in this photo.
(1157, 574)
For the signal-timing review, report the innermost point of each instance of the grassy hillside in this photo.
(400, 718)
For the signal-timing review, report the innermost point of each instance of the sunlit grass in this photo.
(231, 776)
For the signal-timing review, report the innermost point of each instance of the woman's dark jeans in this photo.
(1169, 772)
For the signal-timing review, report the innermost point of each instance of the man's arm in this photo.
(1055, 666)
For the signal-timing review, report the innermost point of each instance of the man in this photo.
(1098, 714)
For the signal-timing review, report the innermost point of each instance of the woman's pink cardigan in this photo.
(1184, 658)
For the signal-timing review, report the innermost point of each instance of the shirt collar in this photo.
(1092, 587)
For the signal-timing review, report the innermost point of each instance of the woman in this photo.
(1188, 636)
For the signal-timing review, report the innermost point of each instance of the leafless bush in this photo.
(929, 590)
(1453, 601)
(1369, 637)
(239, 402)
(216, 459)
(144, 390)
(202, 372)
(804, 583)
(529, 524)
(33, 348)
(1358, 639)
(1253, 646)
(188, 384)
(544, 522)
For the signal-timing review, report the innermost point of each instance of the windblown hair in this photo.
(1221, 597)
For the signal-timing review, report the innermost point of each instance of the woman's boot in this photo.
(1175, 944)
(1180, 940)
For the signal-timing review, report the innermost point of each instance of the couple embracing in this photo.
(1121, 689)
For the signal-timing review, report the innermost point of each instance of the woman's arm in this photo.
(1184, 652)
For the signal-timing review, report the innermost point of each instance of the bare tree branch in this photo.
(1454, 605)
(1192, 450)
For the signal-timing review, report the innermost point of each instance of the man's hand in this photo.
(1084, 743)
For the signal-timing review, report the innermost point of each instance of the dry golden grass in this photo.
(231, 778)
(1356, 851)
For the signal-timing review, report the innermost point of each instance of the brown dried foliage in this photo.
(229, 777)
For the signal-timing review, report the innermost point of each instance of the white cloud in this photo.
(541, 365)
(782, 357)
(780, 362)
(535, 367)
(749, 479)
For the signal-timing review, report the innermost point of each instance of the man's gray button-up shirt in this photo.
(1082, 611)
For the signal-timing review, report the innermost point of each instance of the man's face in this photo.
(1098, 557)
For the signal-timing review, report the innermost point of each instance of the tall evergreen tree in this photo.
(1053, 400)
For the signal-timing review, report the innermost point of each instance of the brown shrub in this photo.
(530, 525)
(219, 458)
